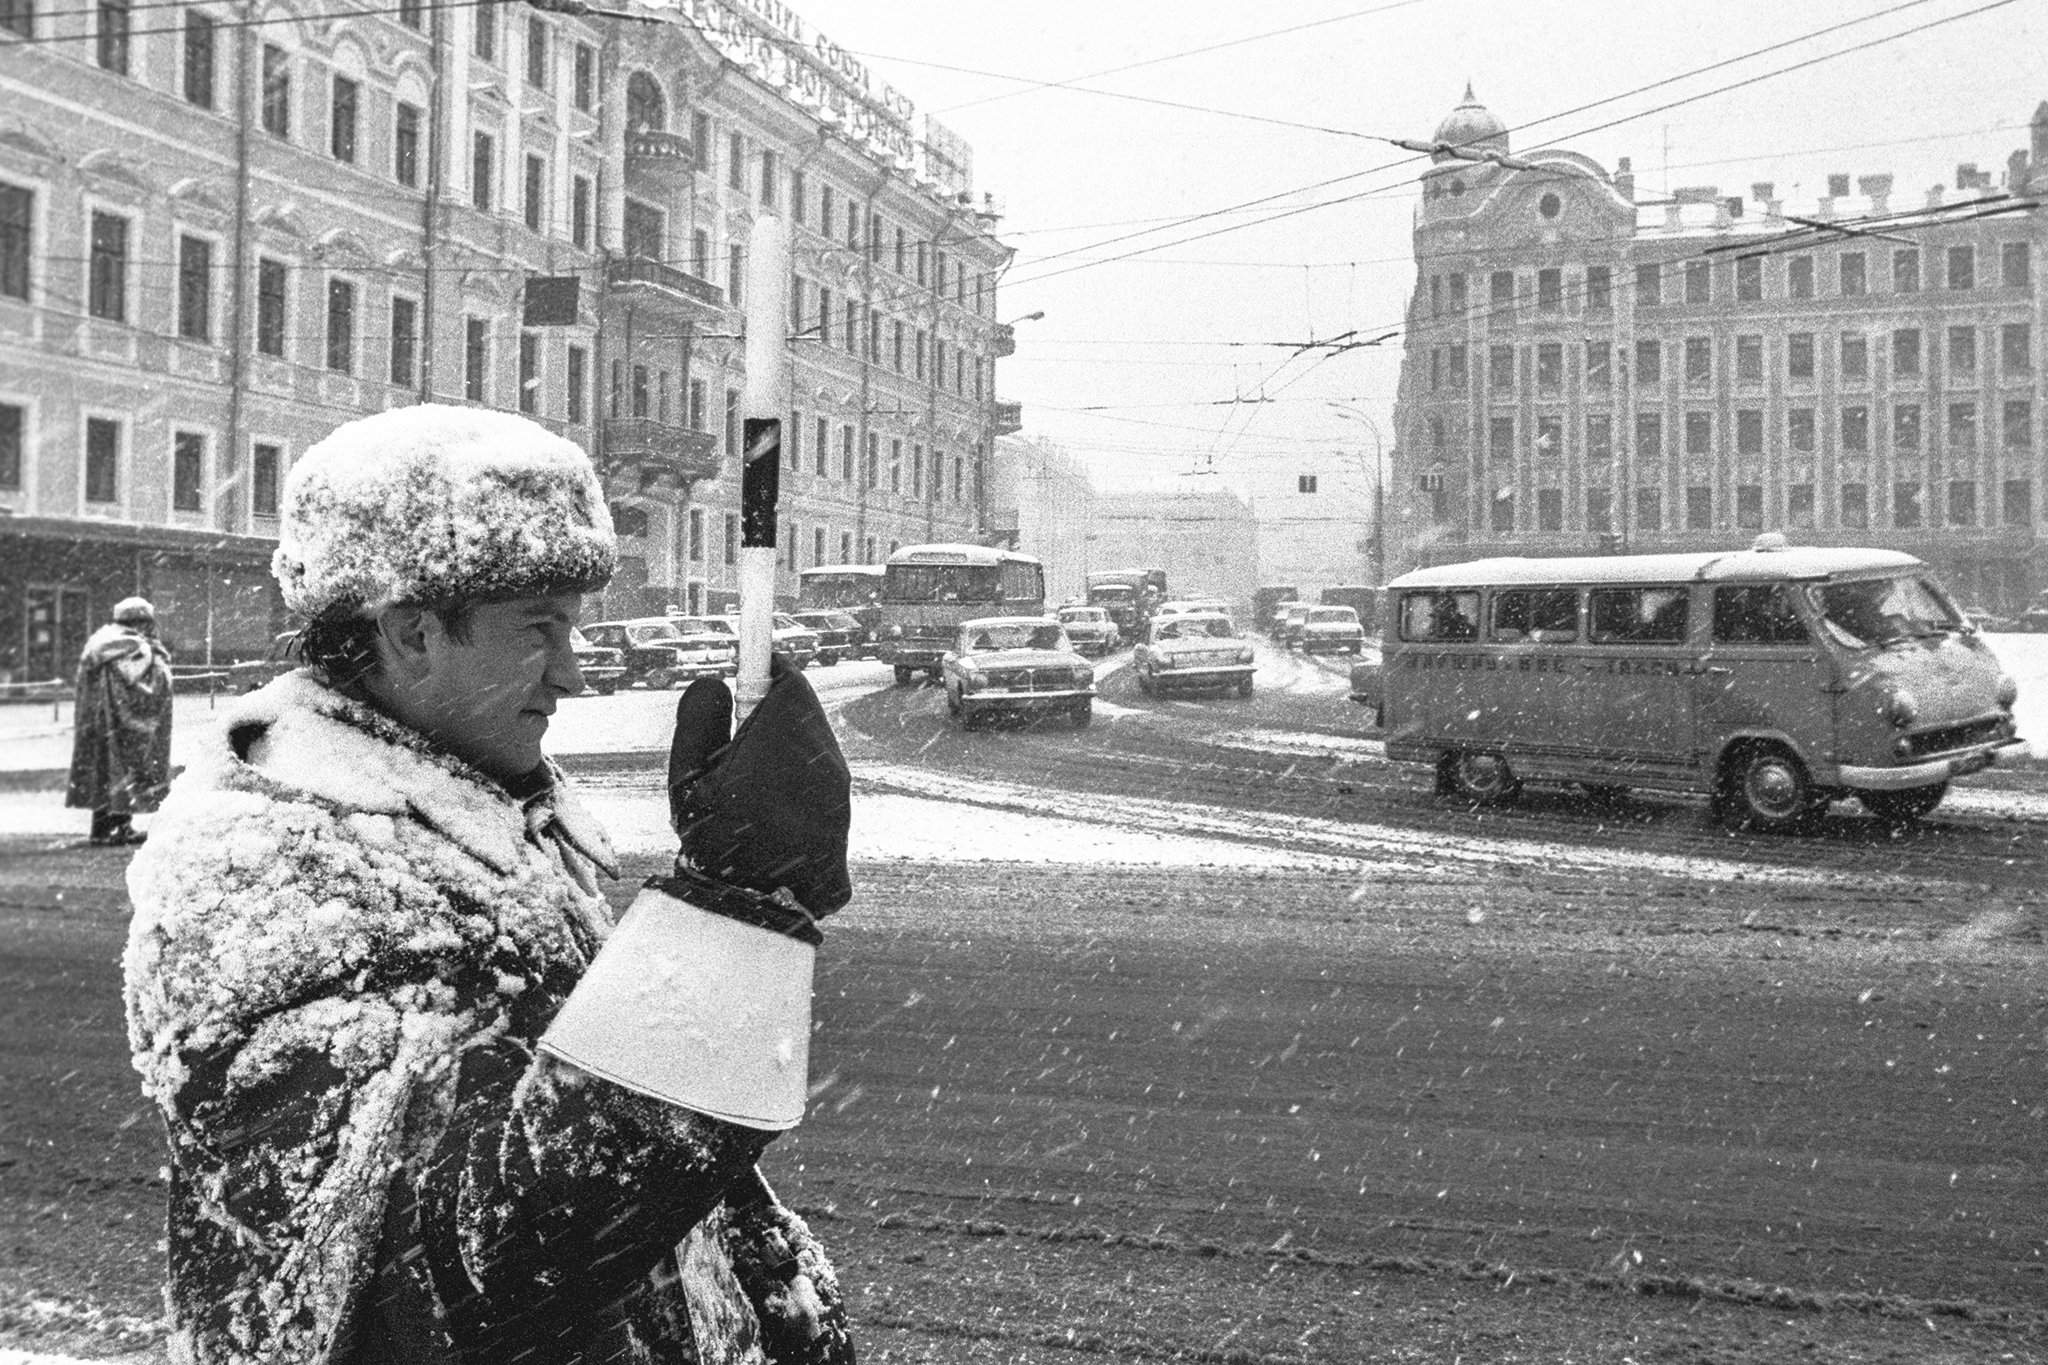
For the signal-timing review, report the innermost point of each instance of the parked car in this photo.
(1332, 630)
(797, 643)
(1182, 606)
(2035, 618)
(1020, 665)
(662, 651)
(1090, 630)
(602, 666)
(1985, 619)
(1287, 620)
(839, 633)
(1193, 650)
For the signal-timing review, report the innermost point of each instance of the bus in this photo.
(928, 590)
(1774, 680)
(850, 588)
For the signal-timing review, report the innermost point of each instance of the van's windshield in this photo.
(1874, 612)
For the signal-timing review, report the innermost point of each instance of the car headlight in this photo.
(974, 677)
(895, 632)
(1901, 707)
(1244, 656)
(2008, 691)
(1084, 675)
(1165, 660)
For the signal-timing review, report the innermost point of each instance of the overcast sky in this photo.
(1129, 367)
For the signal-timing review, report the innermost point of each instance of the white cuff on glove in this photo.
(697, 1010)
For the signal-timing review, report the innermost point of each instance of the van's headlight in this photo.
(2008, 691)
(895, 632)
(1901, 707)
(1244, 656)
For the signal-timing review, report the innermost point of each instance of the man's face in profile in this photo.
(487, 699)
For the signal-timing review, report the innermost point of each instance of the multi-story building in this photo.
(1588, 371)
(1315, 514)
(1206, 539)
(227, 229)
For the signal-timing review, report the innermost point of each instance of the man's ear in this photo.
(402, 642)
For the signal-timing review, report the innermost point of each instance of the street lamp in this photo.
(1379, 487)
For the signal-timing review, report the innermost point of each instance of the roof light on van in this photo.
(1770, 542)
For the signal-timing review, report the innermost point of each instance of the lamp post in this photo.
(1379, 488)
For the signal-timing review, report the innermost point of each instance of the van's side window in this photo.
(1440, 616)
(1545, 615)
(1757, 614)
(1623, 616)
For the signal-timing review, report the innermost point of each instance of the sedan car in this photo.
(1090, 630)
(838, 633)
(660, 651)
(1018, 665)
(1333, 630)
(601, 665)
(797, 643)
(1193, 651)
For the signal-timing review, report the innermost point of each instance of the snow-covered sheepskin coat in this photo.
(121, 740)
(344, 948)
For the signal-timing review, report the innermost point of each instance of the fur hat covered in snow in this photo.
(438, 504)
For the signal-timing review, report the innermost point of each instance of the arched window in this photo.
(645, 107)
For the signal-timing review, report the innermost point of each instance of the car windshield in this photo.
(1324, 616)
(1086, 616)
(646, 635)
(1015, 635)
(1874, 612)
(578, 640)
(1196, 628)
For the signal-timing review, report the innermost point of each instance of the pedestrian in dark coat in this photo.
(364, 911)
(121, 736)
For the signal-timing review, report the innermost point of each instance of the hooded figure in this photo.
(121, 743)
(357, 916)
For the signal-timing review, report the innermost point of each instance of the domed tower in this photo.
(1470, 127)
(1453, 186)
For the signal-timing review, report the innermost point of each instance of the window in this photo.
(195, 288)
(263, 479)
(1763, 614)
(1550, 290)
(270, 306)
(2019, 502)
(736, 161)
(1749, 506)
(1906, 270)
(1799, 277)
(1500, 369)
(700, 250)
(1649, 363)
(1599, 509)
(1855, 358)
(17, 213)
(2017, 424)
(1699, 360)
(1855, 507)
(1599, 365)
(1854, 279)
(1962, 353)
(1549, 367)
(699, 402)
(2015, 269)
(817, 545)
(896, 346)
(1962, 502)
(483, 157)
(769, 175)
(405, 145)
(1962, 267)
(1455, 364)
(1550, 509)
(1699, 282)
(534, 194)
(102, 459)
(1962, 428)
(199, 58)
(579, 211)
(584, 85)
(107, 285)
(13, 424)
(872, 474)
(1541, 614)
(1799, 356)
(115, 24)
(1622, 616)
(730, 551)
(1599, 289)
(476, 358)
(1800, 428)
(846, 453)
(1749, 279)
(1599, 437)
(1699, 508)
(1749, 431)
(18, 17)
(1906, 504)
(1699, 433)
(2016, 348)
(404, 339)
(797, 206)
(1502, 286)
(188, 470)
(1649, 285)
(1650, 509)
(1549, 438)
(412, 13)
(696, 535)
(1440, 616)
(732, 424)
(820, 436)
(529, 372)
(536, 52)
(341, 120)
(1799, 506)
(1649, 437)
(483, 38)
(641, 393)
(277, 91)
(896, 467)
(341, 326)
(1749, 359)
(1856, 430)
(1906, 352)
(1304, 483)
(735, 273)
(1454, 290)
(1500, 440)
(1906, 428)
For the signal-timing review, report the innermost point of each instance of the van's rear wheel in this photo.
(1902, 807)
(1764, 787)
(1484, 779)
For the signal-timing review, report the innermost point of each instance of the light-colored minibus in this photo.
(1773, 679)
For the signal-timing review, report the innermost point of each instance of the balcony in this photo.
(1002, 341)
(643, 272)
(1009, 418)
(642, 454)
(665, 160)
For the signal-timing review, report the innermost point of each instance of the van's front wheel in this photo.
(1482, 778)
(1903, 807)
(1764, 787)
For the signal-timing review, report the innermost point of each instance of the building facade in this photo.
(1315, 513)
(1206, 539)
(1041, 501)
(1585, 371)
(225, 229)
